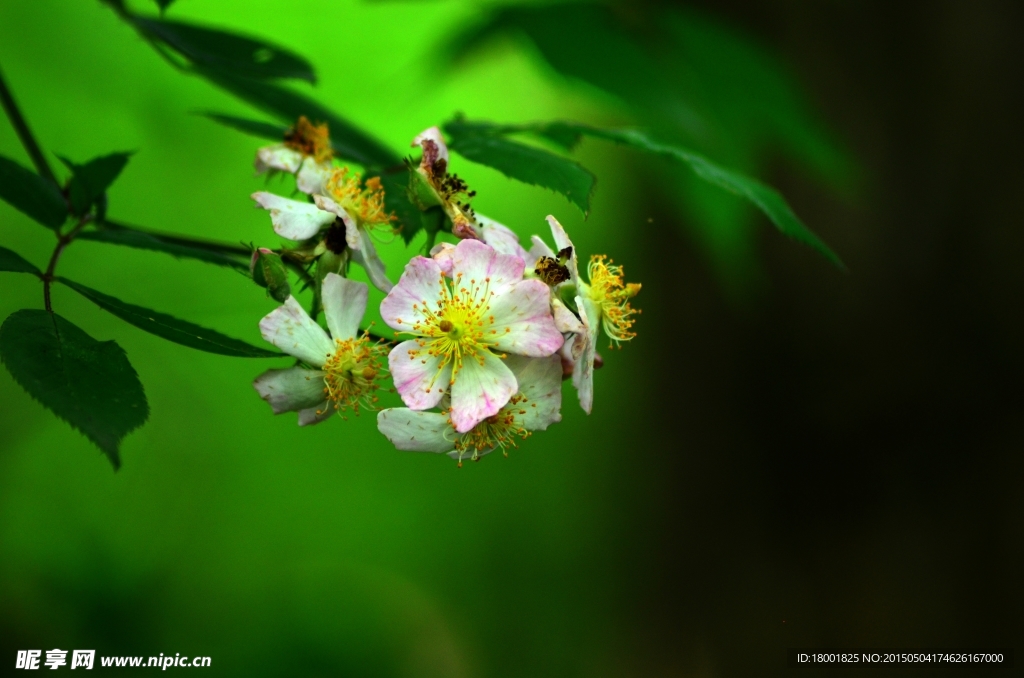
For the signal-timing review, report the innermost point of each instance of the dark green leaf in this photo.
(164, 4)
(170, 328)
(32, 195)
(15, 263)
(227, 52)
(396, 197)
(257, 128)
(89, 384)
(157, 243)
(91, 180)
(528, 164)
(349, 141)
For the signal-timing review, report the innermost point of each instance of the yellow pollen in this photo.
(351, 372)
(503, 430)
(612, 296)
(363, 200)
(309, 139)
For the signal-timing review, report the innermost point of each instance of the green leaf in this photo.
(170, 328)
(396, 199)
(233, 54)
(528, 164)
(348, 140)
(91, 180)
(89, 384)
(257, 128)
(15, 263)
(157, 243)
(31, 194)
(164, 4)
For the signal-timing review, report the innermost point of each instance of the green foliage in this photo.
(227, 52)
(164, 4)
(268, 271)
(91, 180)
(171, 328)
(257, 128)
(89, 384)
(180, 248)
(528, 164)
(15, 263)
(31, 194)
(396, 196)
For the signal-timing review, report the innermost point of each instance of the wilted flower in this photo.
(343, 367)
(533, 407)
(464, 320)
(306, 153)
(435, 186)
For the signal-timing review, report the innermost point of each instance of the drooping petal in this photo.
(583, 372)
(291, 329)
(344, 304)
(291, 389)
(313, 176)
(562, 242)
(314, 415)
(500, 237)
(353, 238)
(419, 378)
(367, 257)
(540, 381)
(565, 320)
(476, 261)
(292, 219)
(522, 320)
(482, 387)
(278, 157)
(419, 286)
(416, 431)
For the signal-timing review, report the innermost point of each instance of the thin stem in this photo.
(24, 133)
(62, 242)
(198, 243)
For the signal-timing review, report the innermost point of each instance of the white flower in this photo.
(343, 367)
(306, 153)
(534, 407)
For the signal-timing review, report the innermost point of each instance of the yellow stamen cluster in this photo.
(309, 139)
(612, 296)
(363, 200)
(502, 430)
(458, 326)
(351, 374)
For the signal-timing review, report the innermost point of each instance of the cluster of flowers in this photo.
(485, 329)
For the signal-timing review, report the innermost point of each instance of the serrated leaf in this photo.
(171, 328)
(89, 384)
(396, 199)
(348, 140)
(257, 128)
(31, 194)
(15, 263)
(524, 163)
(91, 180)
(228, 52)
(156, 243)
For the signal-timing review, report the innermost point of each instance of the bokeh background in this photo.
(786, 456)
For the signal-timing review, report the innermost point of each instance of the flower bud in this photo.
(269, 271)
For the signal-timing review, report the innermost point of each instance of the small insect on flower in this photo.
(344, 367)
(533, 407)
(464, 318)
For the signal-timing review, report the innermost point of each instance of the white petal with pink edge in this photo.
(522, 321)
(540, 381)
(479, 262)
(482, 387)
(291, 329)
(419, 377)
(419, 286)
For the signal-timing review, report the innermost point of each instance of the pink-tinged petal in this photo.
(419, 378)
(482, 387)
(313, 176)
(565, 320)
(292, 219)
(292, 389)
(540, 381)
(419, 286)
(432, 134)
(583, 373)
(291, 329)
(344, 304)
(500, 237)
(444, 253)
(279, 158)
(478, 262)
(414, 431)
(366, 256)
(561, 242)
(314, 415)
(522, 321)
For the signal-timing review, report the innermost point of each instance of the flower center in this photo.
(502, 430)
(608, 291)
(351, 373)
(363, 200)
(310, 139)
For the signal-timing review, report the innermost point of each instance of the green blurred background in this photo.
(800, 458)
